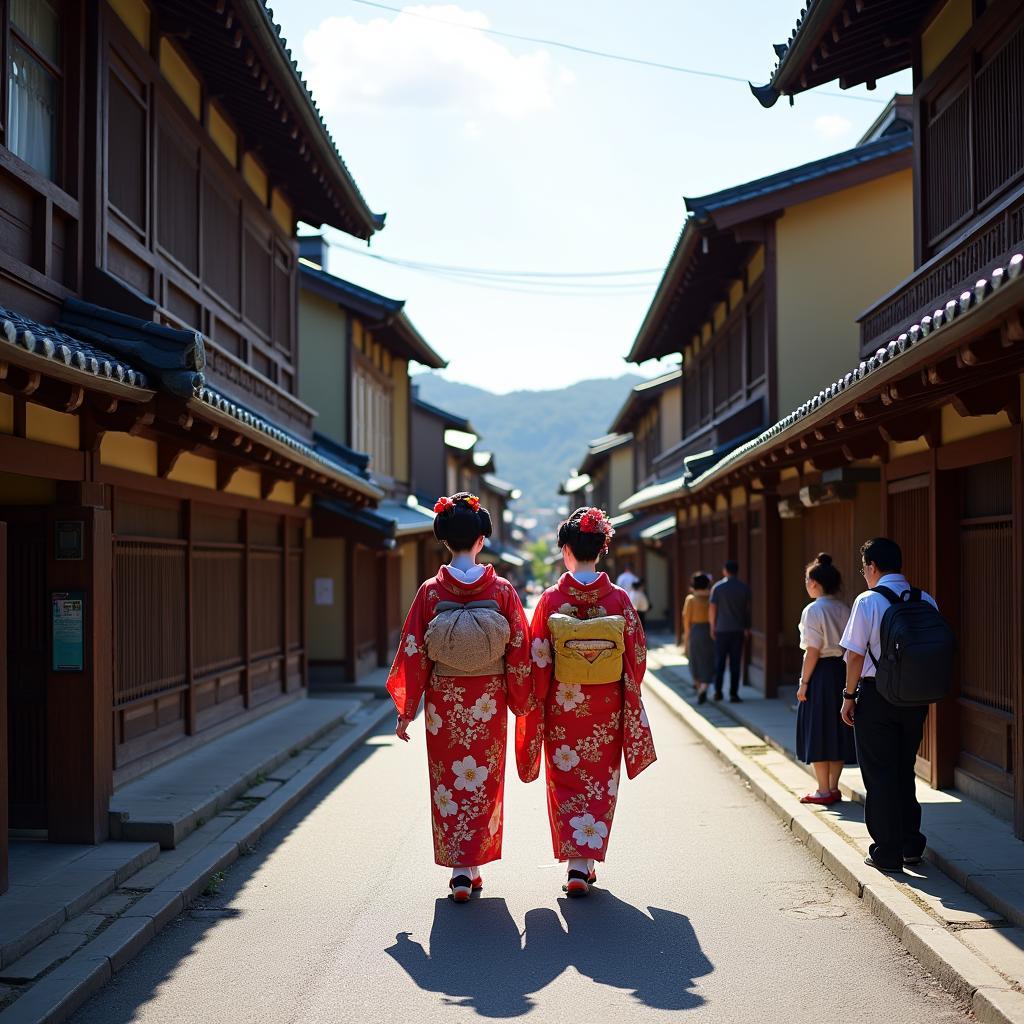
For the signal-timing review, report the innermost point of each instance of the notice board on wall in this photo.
(67, 631)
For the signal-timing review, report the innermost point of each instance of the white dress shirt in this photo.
(862, 631)
(626, 580)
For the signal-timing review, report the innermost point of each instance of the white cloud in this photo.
(408, 61)
(832, 126)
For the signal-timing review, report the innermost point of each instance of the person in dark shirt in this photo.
(730, 626)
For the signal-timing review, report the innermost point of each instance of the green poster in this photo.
(68, 631)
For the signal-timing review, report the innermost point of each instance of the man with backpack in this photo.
(899, 657)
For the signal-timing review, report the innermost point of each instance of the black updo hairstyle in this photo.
(586, 547)
(825, 574)
(460, 526)
(700, 581)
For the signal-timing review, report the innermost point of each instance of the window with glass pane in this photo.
(34, 87)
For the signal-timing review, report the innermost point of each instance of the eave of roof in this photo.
(643, 395)
(821, 32)
(713, 214)
(386, 317)
(705, 208)
(574, 484)
(600, 447)
(448, 419)
(245, 61)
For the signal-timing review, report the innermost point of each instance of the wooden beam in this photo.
(226, 470)
(1002, 395)
(167, 455)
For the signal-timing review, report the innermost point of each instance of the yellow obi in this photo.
(587, 651)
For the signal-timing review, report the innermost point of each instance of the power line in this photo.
(606, 55)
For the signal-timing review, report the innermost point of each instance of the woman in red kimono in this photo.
(465, 647)
(585, 727)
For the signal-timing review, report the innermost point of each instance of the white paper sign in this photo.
(323, 590)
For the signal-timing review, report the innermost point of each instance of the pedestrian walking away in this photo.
(640, 601)
(697, 642)
(887, 735)
(730, 627)
(626, 578)
(464, 649)
(823, 740)
(589, 654)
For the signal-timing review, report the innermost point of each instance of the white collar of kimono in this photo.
(470, 575)
(585, 578)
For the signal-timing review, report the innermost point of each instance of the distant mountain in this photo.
(536, 436)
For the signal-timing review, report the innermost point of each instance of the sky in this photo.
(492, 154)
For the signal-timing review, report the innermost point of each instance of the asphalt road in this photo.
(706, 907)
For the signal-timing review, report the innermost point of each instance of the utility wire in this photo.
(494, 280)
(606, 55)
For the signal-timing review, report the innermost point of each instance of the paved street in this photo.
(708, 905)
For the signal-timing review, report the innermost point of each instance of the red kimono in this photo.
(465, 718)
(585, 730)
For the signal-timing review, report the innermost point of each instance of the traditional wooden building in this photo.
(363, 565)
(760, 297)
(934, 405)
(156, 462)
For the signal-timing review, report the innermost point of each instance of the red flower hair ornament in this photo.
(443, 505)
(595, 520)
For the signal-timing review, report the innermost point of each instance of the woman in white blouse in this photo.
(822, 739)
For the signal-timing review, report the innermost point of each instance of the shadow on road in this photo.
(478, 958)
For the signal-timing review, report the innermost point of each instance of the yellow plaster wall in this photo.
(621, 477)
(245, 482)
(122, 451)
(410, 573)
(255, 177)
(325, 557)
(738, 497)
(947, 28)
(718, 317)
(195, 470)
(735, 294)
(830, 268)
(897, 449)
(16, 489)
(401, 469)
(284, 492)
(281, 210)
(958, 428)
(788, 473)
(322, 327)
(658, 584)
(42, 424)
(135, 14)
(671, 417)
(222, 134)
(6, 414)
(180, 77)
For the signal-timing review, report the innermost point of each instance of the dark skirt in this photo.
(701, 653)
(821, 734)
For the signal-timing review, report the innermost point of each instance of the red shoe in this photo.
(577, 884)
(461, 887)
(824, 801)
(478, 883)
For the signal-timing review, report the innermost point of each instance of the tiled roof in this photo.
(213, 399)
(702, 206)
(943, 316)
(60, 347)
(449, 419)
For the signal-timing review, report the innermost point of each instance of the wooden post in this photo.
(285, 601)
(942, 728)
(1018, 639)
(4, 878)
(80, 704)
(190, 693)
(771, 595)
(350, 610)
(247, 604)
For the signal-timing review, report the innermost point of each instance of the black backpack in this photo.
(915, 666)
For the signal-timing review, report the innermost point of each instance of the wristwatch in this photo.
(849, 696)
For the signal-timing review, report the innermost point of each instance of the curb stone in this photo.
(59, 994)
(992, 999)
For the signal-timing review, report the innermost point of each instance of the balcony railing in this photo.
(974, 254)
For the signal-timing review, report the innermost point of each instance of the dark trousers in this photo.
(887, 739)
(728, 646)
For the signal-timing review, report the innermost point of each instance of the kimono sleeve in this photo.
(518, 663)
(530, 727)
(637, 742)
(411, 669)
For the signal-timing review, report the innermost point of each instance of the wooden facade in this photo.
(156, 463)
(922, 439)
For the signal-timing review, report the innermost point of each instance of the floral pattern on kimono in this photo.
(465, 718)
(584, 731)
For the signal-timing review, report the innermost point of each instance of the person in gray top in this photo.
(730, 626)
